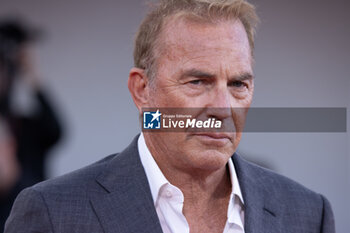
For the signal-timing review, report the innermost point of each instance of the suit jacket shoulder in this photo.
(273, 201)
(76, 180)
(111, 195)
(51, 206)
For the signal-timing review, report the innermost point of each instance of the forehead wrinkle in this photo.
(237, 69)
(204, 52)
(202, 55)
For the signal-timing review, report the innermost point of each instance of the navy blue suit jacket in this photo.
(113, 195)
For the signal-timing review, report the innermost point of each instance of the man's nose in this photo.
(220, 105)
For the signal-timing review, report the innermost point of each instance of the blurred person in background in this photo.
(25, 136)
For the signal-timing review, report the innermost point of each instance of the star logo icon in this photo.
(156, 115)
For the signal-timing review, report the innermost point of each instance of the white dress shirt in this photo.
(168, 199)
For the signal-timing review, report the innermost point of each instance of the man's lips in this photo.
(214, 135)
(218, 139)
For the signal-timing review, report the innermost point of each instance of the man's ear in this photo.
(138, 87)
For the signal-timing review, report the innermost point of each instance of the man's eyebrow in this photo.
(204, 74)
(242, 77)
(197, 73)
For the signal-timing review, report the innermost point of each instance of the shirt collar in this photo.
(235, 214)
(156, 179)
(236, 189)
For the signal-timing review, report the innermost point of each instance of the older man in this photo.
(188, 54)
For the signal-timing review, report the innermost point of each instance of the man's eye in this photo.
(196, 82)
(238, 84)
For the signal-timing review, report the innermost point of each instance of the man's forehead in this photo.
(189, 36)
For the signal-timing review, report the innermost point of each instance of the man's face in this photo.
(201, 65)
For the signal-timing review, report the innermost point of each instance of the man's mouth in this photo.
(217, 139)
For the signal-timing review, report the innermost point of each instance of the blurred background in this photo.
(302, 60)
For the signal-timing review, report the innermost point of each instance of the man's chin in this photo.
(211, 159)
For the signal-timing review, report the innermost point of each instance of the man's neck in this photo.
(196, 184)
(206, 192)
(206, 198)
(199, 186)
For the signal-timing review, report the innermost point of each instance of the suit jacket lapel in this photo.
(121, 197)
(262, 211)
